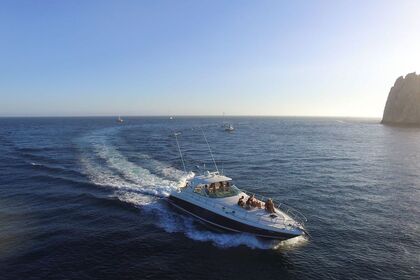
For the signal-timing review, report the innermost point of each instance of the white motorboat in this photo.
(229, 127)
(214, 199)
(120, 120)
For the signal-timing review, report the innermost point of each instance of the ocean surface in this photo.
(81, 198)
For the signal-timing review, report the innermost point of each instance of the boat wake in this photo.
(144, 186)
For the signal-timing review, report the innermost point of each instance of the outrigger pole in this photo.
(211, 153)
(179, 149)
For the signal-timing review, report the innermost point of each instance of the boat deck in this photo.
(277, 219)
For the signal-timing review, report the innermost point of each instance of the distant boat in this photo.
(171, 118)
(120, 120)
(227, 126)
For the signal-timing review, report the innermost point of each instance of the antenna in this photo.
(179, 149)
(211, 153)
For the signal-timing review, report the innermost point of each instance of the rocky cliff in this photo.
(403, 104)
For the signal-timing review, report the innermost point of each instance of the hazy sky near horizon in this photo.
(311, 58)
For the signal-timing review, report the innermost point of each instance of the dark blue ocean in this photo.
(80, 198)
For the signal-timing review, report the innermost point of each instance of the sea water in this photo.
(81, 198)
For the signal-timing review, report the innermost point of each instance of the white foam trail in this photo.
(106, 166)
(118, 172)
(142, 178)
(134, 198)
(291, 244)
(161, 168)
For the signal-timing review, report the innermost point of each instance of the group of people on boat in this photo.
(252, 202)
(218, 189)
(221, 188)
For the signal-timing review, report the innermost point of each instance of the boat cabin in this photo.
(213, 185)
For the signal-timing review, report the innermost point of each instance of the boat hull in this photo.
(224, 223)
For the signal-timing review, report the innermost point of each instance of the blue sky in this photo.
(310, 58)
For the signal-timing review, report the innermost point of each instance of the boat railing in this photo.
(298, 218)
(296, 215)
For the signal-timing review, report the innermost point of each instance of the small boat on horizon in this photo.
(120, 120)
(227, 126)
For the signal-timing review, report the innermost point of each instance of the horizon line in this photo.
(182, 116)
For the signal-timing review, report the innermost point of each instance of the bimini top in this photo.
(209, 178)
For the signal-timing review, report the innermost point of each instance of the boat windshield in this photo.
(221, 189)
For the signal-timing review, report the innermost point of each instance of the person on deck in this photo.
(255, 202)
(212, 189)
(269, 206)
(241, 201)
(250, 202)
(222, 187)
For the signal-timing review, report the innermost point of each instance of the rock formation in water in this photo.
(403, 104)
